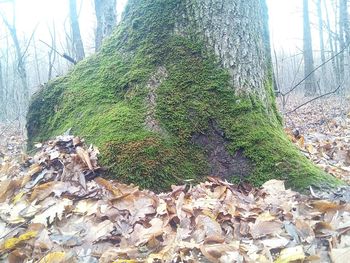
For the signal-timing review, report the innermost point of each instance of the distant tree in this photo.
(2, 95)
(343, 35)
(310, 82)
(22, 97)
(106, 19)
(77, 42)
(320, 32)
(52, 54)
(332, 39)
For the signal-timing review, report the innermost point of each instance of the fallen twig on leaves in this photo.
(316, 98)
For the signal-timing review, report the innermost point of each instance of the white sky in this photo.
(286, 24)
(285, 19)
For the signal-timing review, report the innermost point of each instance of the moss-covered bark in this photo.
(203, 125)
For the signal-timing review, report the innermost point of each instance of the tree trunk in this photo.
(182, 90)
(77, 42)
(2, 95)
(332, 46)
(106, 20)
(310, 83)
(320, 32)
(341, 36)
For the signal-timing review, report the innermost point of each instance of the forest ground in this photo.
(53, 206)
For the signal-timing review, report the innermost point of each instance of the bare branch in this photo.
(64, 55)
(318, 67)
(318, 97)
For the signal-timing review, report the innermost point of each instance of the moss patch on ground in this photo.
(103, 100)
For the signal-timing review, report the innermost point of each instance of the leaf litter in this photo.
(55, 207)
(321, 130)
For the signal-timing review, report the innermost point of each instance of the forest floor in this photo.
(54, 207)
(321, 130)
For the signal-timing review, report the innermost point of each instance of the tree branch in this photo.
(318, 97)
(64, 55)
(318, 67)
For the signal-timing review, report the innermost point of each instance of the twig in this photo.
(30, 40)
(318, 97)
(319, 66)
(64, 55)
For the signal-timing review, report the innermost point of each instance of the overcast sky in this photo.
(285, 19)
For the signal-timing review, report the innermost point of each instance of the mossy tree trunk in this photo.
(181, 90)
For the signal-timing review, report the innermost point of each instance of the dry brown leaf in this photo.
(108, 185)
(324, 205)
(84, 156)
(305, 231)
(7, 188)
(42, 191)
(139, 205)
(34, 169)
(261, 228)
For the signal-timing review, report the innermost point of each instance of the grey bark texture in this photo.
(310, 82)
(106, 20)
(78, 46)
(344, 36)
(2, 95)
(236, 31)
(320, 32)
(332, 45)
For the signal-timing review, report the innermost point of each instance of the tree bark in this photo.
(77, 41)
(182, 90)
(2, 95)
(105, 11)
(310, 83)
(320, 32)
(341, 36)
(332, 45)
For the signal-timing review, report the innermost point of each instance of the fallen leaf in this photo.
(291, 254)
(84, 156)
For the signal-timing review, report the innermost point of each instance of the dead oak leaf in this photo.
(263, 228)
(139, 205)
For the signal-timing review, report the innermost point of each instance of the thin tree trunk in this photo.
(76, 36)
(2, 94)
(341, 36)
(310, 83)
(332, 45)
(320, 32)
(52, 53)
(106, 17)
(36, 58)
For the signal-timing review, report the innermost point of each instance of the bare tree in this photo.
(106, 19)
(320, 32)
(77, 41)
(36, 60)
(2, 95)
(22, 94)
(52, 53)
(310, 82)
(341, 35)
(332, 43)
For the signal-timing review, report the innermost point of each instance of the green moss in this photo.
(103, 100)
